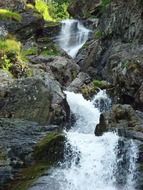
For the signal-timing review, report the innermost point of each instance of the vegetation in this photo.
(105, 3)
(7, 14)
(101, 84)
(53, 10)
(30, 175)
(98, 34)
(43, 8)
(12, 58)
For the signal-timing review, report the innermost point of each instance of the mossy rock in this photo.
(50, 148)
(46, 153)
(7, 14)
(101, 84)
(29, 176)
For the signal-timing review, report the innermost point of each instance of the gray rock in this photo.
(77, 84)
(122, 119)
(63, 68)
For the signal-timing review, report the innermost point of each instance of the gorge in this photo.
(71, 95)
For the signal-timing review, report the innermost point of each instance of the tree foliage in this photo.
(54, 10)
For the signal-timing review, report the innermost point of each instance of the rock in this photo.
(122, 119)
(115, 52)
(5, 77)
(77, 84)
(18, 140)
(51, 148)
(123, 69)
(38, 98)
(83, 8)
(139, 98)
(16, 5)
(27, 99)
(64, 69)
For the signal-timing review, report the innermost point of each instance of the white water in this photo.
(73, 36)
(96, 163)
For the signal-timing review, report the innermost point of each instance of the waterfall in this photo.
(97, 163)
(72, 37)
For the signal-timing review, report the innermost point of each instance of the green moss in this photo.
(105, 3)
(7, 14)
(50, 52)
(30, 51)
(88, 90)
(101, 84)
(50, 148)
(98, 34)
(46, 153)
(2, 156)
(30, 175)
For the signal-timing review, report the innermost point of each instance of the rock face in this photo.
(122, 119)
(19, 139)
(83, 8)
(115, 52)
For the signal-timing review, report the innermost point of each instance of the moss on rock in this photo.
(50, 148)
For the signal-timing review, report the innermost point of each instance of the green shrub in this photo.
(7, 14)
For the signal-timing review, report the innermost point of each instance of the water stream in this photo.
(73, 36)
(96, 163)
(91, 163)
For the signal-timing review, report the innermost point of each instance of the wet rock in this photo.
(122, 119)
(18, 141)
(51, 148)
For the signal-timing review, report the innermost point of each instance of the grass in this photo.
(12, 58)
(7, 14)
(10, 45)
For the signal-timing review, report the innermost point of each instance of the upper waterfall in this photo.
(73, 36)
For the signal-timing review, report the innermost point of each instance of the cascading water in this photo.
(72, 37)
(93, 163)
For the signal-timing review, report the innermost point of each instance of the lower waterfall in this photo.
(92, 163)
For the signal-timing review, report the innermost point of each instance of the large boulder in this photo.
(38, 98)
(122, 119)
